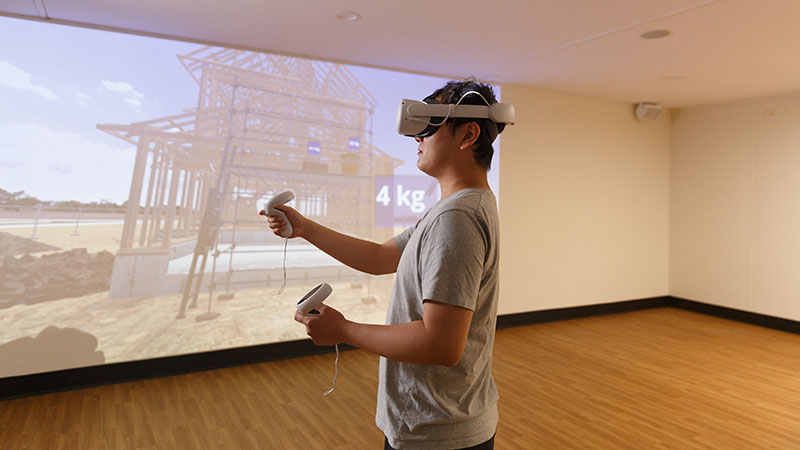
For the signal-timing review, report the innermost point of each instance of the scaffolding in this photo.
(263, 124)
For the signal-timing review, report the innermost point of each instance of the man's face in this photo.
(435, 151)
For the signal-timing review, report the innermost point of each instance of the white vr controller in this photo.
(269, 210)
(314, 298)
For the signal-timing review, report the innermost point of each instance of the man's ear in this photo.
(471, 132)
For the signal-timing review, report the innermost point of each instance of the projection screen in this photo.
(131, 173)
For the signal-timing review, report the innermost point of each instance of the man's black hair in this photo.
(451, 93)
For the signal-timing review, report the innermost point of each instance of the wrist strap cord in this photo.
(280, 291)
(283, 286)
(336, 373)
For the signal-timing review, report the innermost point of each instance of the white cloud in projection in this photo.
(44, 162)
(13, 77)
(130, 95)
(81, 98)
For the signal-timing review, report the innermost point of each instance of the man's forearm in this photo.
(409, 342)
(359, 254)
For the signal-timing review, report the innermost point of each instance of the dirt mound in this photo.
(14, 245)
(54, 276)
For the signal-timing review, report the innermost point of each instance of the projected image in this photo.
(131, 180)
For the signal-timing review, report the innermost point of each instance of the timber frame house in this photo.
(263, 124)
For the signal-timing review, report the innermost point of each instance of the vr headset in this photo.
(422, 119)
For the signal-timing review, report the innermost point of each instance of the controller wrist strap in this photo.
(285, 244)
(335, 374)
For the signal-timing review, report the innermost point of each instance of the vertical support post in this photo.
(134, 197)
(166, 238)
(182, 205)
(161, 191)
(148, 207)
(189, 220)
(36, 222)
(77, 221)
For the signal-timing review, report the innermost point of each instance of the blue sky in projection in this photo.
(58, 82)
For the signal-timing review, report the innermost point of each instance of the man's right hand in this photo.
(278, 223)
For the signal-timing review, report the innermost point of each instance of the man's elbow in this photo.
(451, 362)
(450, 358)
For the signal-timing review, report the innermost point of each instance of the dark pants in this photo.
(488, 445)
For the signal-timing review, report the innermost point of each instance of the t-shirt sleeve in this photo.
(402, 239)
(452, 256)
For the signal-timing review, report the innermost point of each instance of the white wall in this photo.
(584, 202)
(735, 205)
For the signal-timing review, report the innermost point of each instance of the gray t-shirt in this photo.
(450, 256)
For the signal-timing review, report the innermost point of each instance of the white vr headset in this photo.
(420, 119)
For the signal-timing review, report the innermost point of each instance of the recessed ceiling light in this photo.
(655, 34)
(347, 16)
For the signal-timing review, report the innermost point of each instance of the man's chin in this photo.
(421, 167)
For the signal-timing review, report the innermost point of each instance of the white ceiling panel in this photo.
(715, 53)
(719, 49)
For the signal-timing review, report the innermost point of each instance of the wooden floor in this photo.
(660, 378)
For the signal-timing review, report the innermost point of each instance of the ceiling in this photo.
(718, 50)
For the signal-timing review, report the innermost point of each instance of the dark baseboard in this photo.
(578, 312)
(762, 320)
(81, 377)
(552, 315)
(42, 383)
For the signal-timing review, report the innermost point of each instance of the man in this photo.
(436, 389)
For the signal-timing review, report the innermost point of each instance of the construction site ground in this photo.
(143, 328)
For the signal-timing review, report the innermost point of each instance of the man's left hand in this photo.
(325, 328)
